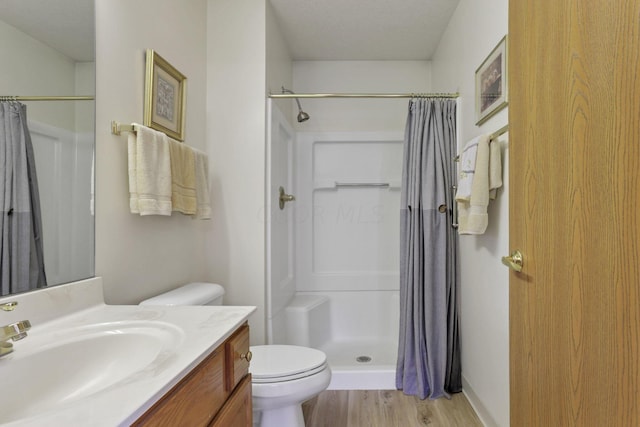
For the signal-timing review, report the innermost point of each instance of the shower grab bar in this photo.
(362, 184)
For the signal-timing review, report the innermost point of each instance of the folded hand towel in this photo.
(149, 172)
(203, 209)
(183, 178)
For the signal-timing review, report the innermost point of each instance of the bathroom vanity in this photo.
(215, 393)
(84, 362)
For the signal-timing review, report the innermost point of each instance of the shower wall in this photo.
(347, 211)
(64, 168)
(280, 238)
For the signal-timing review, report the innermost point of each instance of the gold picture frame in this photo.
(164, 97)
(491, 83)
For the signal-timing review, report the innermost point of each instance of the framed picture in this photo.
(165, 96)
(491, 83)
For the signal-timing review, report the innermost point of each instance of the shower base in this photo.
(362, 364)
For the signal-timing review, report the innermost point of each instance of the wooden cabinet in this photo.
(237, 412)
(217, 392)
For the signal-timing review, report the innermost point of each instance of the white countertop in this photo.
(202, 329)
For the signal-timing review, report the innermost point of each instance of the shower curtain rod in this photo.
(46, 98)
(364, 95)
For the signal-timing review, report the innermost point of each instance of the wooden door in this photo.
(574, 114)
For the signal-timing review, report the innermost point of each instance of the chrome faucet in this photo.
(14, 331)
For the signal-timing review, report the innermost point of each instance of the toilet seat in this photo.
(278, 363)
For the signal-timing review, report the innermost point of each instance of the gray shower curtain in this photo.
(429, 352)
(21, 253)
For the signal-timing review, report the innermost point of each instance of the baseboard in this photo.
(485, 417)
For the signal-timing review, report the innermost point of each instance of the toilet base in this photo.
(289, 416)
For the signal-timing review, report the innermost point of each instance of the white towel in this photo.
(149, 172)
(486, 179)
(203, 210)
(495, 168)
(467, 168)
(183, 178)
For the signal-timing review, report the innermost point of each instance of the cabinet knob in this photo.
(247, 356)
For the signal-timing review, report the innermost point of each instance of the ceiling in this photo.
(64, 25)
(363, 29)
(313, 29)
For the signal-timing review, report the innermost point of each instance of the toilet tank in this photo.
(197, 293)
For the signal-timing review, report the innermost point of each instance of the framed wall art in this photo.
(165, 97)
(491, 83)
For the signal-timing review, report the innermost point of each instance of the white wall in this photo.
(236, 93)
(474, 30)
(29, 67)
(85, 84)
(358, 76)
(279, 63)
(83, 222)
(142, 256)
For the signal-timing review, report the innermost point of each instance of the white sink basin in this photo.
(53, 367)
(87, 363)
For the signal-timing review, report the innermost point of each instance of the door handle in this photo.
(514, 261)
(284, 198)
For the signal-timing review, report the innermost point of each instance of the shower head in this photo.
(302, 116)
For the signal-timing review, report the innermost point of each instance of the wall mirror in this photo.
(47, 49)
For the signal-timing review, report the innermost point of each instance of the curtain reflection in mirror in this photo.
(21, 250)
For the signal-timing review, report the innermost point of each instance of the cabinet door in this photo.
(238, 357)
(237, 412)
(195, 400)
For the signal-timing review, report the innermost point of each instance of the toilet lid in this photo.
(270, 362)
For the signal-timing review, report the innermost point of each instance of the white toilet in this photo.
(282, 376)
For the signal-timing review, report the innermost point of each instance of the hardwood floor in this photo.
(386, 408)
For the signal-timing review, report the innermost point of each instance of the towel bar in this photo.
(116, 128)
(504, 129)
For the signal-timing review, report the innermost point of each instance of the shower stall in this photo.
(347, 239)
(333, 252)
